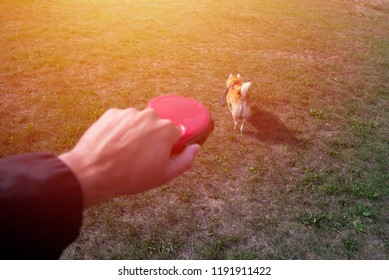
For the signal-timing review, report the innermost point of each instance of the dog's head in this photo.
(236, 82)
(233, 80)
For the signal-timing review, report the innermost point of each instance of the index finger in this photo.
(173, 129)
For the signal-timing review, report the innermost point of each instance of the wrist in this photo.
(85, 176)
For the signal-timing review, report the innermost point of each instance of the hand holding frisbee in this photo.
(191, 117)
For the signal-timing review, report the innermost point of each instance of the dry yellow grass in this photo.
(307, 180)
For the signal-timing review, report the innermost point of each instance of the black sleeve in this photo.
(40, 207)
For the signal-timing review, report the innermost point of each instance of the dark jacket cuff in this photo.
(40, 207)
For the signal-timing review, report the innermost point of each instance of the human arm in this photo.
(126, 152)
(42, 196)
(40, 206)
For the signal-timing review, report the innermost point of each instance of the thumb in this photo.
(182, 162)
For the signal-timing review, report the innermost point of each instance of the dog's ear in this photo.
(230, 75)
(239, 76)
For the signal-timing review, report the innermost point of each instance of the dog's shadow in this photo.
(269, 128)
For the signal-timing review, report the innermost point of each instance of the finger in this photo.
(116, 122)
(181, 162)
(171, 130)
(149, 113)
(113, 117)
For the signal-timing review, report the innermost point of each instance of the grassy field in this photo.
(308, 179)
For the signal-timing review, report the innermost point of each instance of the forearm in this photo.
(40, 207)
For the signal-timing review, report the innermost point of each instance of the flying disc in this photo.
(190, 116)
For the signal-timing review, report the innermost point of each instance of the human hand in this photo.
(126, 152)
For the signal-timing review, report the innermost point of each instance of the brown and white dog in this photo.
(238, 99)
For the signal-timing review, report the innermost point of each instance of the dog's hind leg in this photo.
(235, 122)
(241, 127)
(229, 106)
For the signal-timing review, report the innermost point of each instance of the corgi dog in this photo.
(238, 99)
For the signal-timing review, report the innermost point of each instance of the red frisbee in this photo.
(193, 118)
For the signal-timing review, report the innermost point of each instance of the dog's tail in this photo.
(244, 89)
